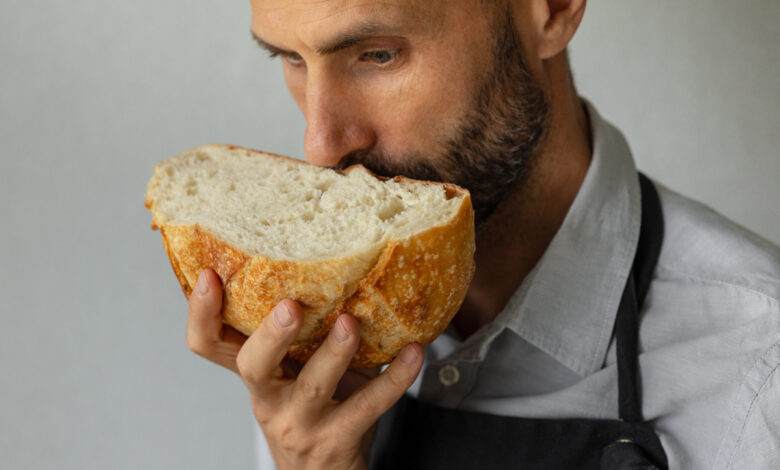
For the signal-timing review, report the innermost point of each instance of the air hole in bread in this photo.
(258, 203)
(323, 185)
(390, 210)
(191, 188)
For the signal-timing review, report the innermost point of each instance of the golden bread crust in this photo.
(407, 292)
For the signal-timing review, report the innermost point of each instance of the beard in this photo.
(494, 144)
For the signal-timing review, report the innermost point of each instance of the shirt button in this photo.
(449, 375)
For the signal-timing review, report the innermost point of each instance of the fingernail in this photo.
(408, 355)
(202, 286)
(282, 316)
(340, 331)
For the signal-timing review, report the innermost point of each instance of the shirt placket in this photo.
(448, 381)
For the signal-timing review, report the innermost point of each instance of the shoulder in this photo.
(702, 245)
(718, 284)
(750, 438)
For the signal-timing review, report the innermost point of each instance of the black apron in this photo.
(418, 435)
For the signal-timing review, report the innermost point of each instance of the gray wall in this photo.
(94, 372)
(695, 86)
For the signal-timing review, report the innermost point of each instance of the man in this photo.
(480, 93)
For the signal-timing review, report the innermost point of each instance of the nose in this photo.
(334, 126)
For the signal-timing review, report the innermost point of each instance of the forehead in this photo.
(291, 15)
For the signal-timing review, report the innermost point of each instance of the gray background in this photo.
(94, 372)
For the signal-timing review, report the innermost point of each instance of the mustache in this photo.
(382, 164)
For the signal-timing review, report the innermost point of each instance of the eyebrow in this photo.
(270, 48)
(344, 40)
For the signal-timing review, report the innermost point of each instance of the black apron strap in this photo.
(627, 321)
(415, 434)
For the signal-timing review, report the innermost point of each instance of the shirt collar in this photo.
(567, 304)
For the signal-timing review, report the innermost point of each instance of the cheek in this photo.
(437, 91)
(422, 110)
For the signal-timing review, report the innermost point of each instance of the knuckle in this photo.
(309, 389)
(286, 436)
(290, 438)
(261, 411)
(326, 449)
(367, 403)
(198, 346)
(246, 368)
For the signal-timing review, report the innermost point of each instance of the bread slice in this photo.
(398, 254)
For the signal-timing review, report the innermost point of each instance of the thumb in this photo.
(206, 334)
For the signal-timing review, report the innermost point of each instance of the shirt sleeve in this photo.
(758, 443)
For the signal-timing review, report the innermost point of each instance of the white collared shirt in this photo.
(709, 335)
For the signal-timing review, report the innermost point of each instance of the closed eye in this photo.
(292, 58)
(379, 56)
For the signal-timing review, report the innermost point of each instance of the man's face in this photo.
(433, 90)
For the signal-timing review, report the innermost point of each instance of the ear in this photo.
(555, 22)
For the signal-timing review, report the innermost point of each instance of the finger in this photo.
(356, 415)
(318, 379)
(206, 335)
(259, 360)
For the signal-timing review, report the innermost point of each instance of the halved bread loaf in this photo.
(395, 253)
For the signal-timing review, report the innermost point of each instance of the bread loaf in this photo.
(398, 254)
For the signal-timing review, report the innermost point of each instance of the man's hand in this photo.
(304, 425)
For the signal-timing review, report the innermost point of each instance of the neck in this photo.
(513, 239)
